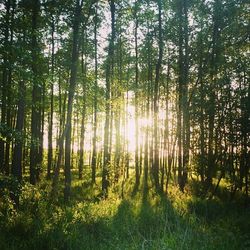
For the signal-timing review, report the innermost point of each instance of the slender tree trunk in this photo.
(186, 116)
(201, 119)
(50, 130)
(149, 83)
(82, 139)
(183, 120)
(60, 139)
(9, 94)
(180, 98)
(94, 153)
(156, 99)
(117, 114)
(137, 174)
(4, 81)
(36, 98)
(127, 161)
(166, 153)
(16, 169)
(71, 92)
(211, 110)
(41, 134)
(107, 132)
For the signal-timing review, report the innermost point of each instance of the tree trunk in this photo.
(36, 98)
(94, 153)
(186, 118)
(149, 83)
(4, 81)
(156, 98)
(16, 169)
(9, 94)
(137, 175)
(71, 92)
(84, 70)
(50, 130)
(107, 132)
(211, 110)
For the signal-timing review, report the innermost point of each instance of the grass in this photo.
(144, 220)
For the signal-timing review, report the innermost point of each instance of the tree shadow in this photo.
(148, 220)
(151, 220)
(143, 183)
(135, 189)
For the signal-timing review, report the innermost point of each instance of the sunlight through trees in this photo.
(153, 91)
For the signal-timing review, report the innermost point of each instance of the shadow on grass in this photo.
(146, 220)
(135, 189)
(149, 221)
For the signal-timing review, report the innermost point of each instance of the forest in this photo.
(124, 124)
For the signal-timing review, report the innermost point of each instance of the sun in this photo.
(143, 123)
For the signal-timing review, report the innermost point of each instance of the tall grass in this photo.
(144, 220)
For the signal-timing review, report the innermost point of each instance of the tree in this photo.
(94, 154)
(107, 135)
(35, 163)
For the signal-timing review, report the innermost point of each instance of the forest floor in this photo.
(142, 219)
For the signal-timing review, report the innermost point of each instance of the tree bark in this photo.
(107, 132)
(16, 168)
(36, 97)
(82, 139)
(94, 153)
(137, 174)
(211, 110)
(4, 82)
(50, 129)
(71, 92)
(156, 98)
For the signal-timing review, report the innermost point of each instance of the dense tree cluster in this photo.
(77, 76)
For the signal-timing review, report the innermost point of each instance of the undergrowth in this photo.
(139, 220)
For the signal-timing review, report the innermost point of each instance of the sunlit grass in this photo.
(143, 220)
